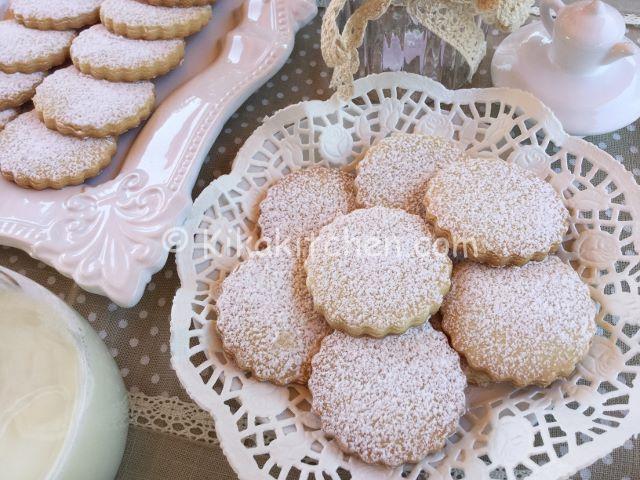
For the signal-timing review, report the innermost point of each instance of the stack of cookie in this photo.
(355, 267)
(81, 109)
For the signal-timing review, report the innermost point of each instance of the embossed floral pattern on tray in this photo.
(269, 432)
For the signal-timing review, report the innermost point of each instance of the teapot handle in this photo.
(547, 7)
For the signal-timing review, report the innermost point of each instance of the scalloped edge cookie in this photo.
(441, 194)
(86, 17)
(389, 400)
(395, 171)
(146, 70)
(55, 95)
(43, 61)
(19, 88)
(113, 19)
(266, 320)
(527, 325)
(298, 205)
(349, 299)
(20, 152)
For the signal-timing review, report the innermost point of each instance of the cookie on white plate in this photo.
(77, 104)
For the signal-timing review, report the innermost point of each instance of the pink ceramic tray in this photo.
(110, 235)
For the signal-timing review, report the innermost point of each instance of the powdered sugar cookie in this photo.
(180, 3)
(102, 54)
(527, 325)
(266, 318)
(56, 14)
(474, 377)
(377, 271)
(33, 156)
(391, 400)
(26, 50)
(301, 203)
(395, 171)
(496, 212)
(77, 104)
(135, 19)
(18, 88)
(6, 116)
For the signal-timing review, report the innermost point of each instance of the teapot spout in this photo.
(619, 51)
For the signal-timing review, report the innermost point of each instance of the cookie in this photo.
(377, 271)
(266, 318)
(527, 325)
(56, 14)
(136, 19)
(25, 50)
(301, 203)
(395, 171)
(474, 377)
(31, 155)
(18, 88)
(392, 400)
(105, 55)
(495, 212)
(6, 116)
(180, 3)
(77, 104)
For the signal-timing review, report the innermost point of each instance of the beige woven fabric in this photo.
(139, 337)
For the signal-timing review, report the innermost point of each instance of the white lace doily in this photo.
(269, 432)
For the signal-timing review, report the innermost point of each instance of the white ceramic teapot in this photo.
(578, 62)
(586, 35)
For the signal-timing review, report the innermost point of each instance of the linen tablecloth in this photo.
(170, 437)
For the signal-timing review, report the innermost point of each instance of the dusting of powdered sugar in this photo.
(303, 202)
(100, 48)
(6, 116)
(73, 98)
(18, 86)
(377, 270)
(395, 171)
(526, 324)
(266, 318)
(22, 45)
(30, 151)
(391, 400)
(134, 13)
(54, 9)
(501, 207)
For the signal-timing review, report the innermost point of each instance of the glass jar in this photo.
(395, 42)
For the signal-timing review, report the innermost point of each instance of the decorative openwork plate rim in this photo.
(269, 432)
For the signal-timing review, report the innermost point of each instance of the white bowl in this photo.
(95, 437)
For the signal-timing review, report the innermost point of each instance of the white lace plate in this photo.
(269, 432)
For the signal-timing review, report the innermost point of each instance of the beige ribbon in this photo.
(454, 21)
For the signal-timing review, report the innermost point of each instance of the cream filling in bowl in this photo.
(63, 406)
(40, 370)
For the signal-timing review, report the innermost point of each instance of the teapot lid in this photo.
(591, 23)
